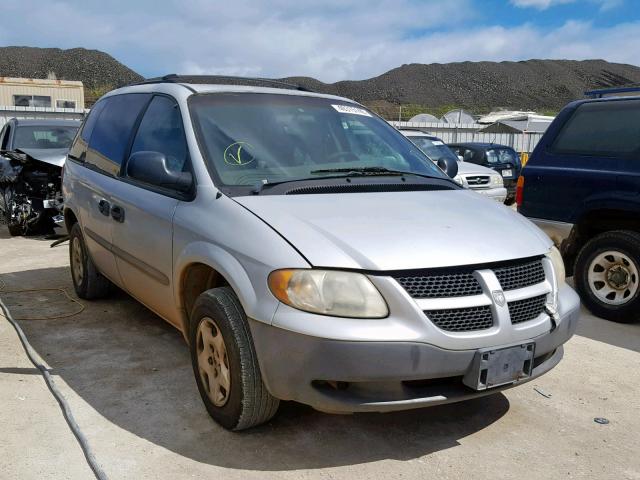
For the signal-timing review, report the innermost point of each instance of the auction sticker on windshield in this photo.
(351, 110)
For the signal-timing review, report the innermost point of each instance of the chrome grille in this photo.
(460, 284)
(462, 319)
(477, 180)
(527, 309)
(520, 276)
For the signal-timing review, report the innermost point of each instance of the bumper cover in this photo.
(346, 376)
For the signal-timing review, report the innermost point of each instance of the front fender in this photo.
(248, 282)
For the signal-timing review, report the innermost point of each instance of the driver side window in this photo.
(161, 130)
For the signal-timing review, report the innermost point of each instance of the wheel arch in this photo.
(202, 266)
(70, 218)
(595, 221)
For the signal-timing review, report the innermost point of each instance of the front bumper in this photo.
(342, 376)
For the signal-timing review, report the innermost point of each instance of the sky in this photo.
(330, 40)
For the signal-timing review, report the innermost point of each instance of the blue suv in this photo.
(582, 187)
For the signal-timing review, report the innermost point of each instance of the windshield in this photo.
(434, 148)
(44, 136)
(248, 138)
(502, 155)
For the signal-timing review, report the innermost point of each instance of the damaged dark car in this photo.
(32, 154)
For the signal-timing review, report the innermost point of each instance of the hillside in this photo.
(541, 85)
(94, 68)
(480, 86)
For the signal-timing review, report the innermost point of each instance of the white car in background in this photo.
(480, 179)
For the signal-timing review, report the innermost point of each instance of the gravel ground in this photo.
(127, 376)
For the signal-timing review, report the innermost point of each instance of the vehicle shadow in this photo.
(133, 368)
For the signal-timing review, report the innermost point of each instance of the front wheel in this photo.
(607, 272)
(225, 364)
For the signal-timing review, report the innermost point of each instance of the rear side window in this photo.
(161, 131)
(81, 142)
(601, 128)
(112, 131)
(502, 155)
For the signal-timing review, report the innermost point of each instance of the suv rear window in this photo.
(601, 128)
(502, 155)
(112, 132)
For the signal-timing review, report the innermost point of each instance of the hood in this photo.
(52, 156)
(466, 168)
(399, 230)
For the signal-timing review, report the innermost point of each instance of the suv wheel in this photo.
(607, 274)
(87, 281)
(225, 364)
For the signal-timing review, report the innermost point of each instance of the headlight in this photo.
(558, 264)
(328, 292)
(460, 181)
(496, 181)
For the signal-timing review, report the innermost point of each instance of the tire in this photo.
(218, 315)
(15, 229)
(595, 270)
(87, 282)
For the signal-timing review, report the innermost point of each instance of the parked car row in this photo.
(308, 251)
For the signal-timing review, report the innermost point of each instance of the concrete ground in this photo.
(127, 376)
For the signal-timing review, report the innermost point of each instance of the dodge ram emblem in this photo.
(498, 296)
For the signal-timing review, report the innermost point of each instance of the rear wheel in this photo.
(87, 281)
(225, 364)
(607, 274)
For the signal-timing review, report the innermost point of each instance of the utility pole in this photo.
(400, 114)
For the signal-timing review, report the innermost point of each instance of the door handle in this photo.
(117, 213)
(104, 207)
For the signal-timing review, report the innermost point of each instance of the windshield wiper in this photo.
(370, 171)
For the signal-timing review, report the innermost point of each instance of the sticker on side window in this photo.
(351, 110)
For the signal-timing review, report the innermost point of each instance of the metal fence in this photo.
(39, 113)
(468, 132)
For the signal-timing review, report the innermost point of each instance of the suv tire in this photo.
(225, 363)
(87, 281)
(595, 274)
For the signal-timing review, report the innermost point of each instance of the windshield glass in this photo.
(44, 136)
(502, 155)
(248, 138)
(434, 148)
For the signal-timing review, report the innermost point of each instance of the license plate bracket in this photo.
(493, 367)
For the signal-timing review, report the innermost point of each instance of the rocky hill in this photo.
(94, 68)
(541, 85)
(480, 86)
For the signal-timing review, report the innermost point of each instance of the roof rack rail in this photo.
(611, 91)
(221, 79)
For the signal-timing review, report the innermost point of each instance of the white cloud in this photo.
(545, 4)
(539, 4)
(339, 39)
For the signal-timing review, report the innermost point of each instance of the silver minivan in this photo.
(307, 251)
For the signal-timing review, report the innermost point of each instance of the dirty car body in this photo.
(31, 160)
(348, 250)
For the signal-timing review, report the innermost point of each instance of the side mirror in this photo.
(151, 168)
(448, 165)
